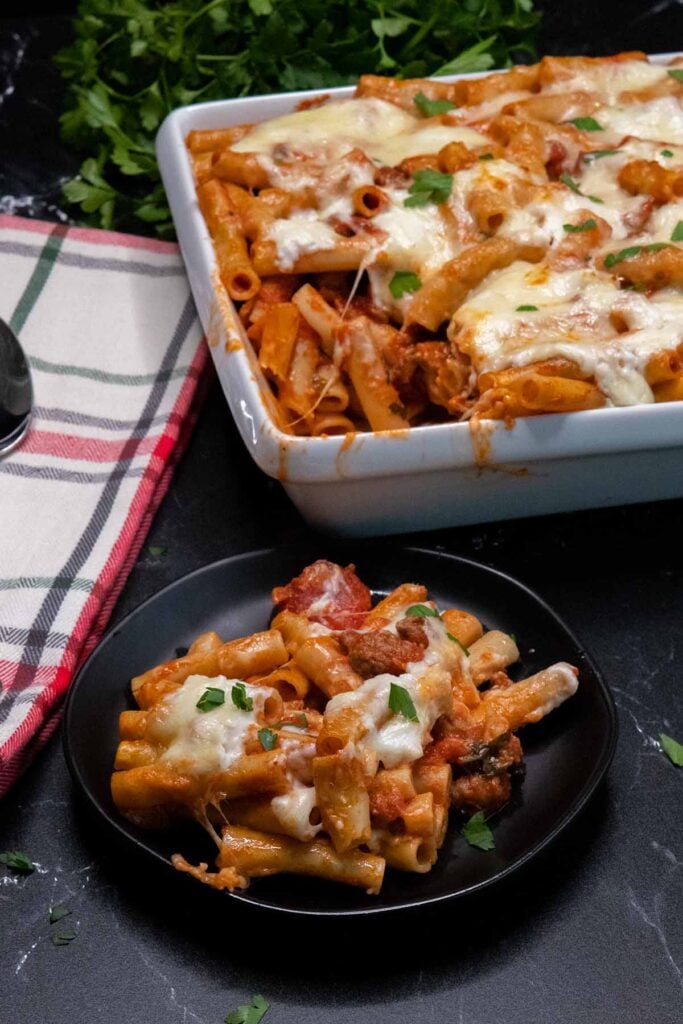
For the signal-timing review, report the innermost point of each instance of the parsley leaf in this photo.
(587, 124)
(586, 225)
(456, 641)
(677, 233)
(212, 698)
(240, 698)
(666, 152)
(157, 552)
(422, 611)
(476, 58)
(17, 861)
(429, 187)
(526, 309)
(267, 738)
(430, 108)
(598, 154)
(567, 180)
(477, 832)
(673, 749)
(252, 1013)
(57, 913)
(404, 281)
(401, 703)
(63, 938)
(486, 156)
(632, 250)
(676, 73)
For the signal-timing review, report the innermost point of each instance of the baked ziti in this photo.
(480, 249)
(335, 742)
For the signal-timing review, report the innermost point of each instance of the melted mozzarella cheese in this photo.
(425, 140)
(418, 237)
(541, 222)
(294, 811)
(383, 131)
(573, 322)
(391, 738)
(208, 740)
(303, 232)
(660, 119)
(662, 223)
(610, 78)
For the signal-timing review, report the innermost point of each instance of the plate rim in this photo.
(582, 798)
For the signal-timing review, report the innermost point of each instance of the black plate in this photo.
(566, 755)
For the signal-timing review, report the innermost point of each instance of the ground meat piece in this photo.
(481, 792)
(328, 594)
(557, 155)
(393, 177)
(504, 756)
(448, 749)
(371, 654)
(412, 628)
(386, 807)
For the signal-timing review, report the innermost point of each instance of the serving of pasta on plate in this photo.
(431, 251)
(334, 743)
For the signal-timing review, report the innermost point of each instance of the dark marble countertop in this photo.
(591, 933)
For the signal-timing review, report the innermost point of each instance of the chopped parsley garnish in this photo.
(676, 73)
(252, 1013)
(587, 124)
(404, 281)
(575, 229)
(673, 749)
(456, 641)
(567, 180)
(212, 698)
(267, 738)
(633, 250)
(666, 152)
(157, 552)
(422, 611)
(57, 913)
(526, 309)
(598, 154)
(63, 938)
(17, 862)
(401, 703)
(240, 698)
(429, 187)
(677, 233)
(486, 156)
(430, 108)
(477, 833)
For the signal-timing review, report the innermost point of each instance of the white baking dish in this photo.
(425, 477)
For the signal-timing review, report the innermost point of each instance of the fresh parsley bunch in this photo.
(133, 61)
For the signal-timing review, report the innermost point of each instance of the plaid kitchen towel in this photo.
(116, 352)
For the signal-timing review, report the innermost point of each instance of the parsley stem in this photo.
(424, 29)
(214, 57)
(120, 95)
(202, 11)
(112, 39)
